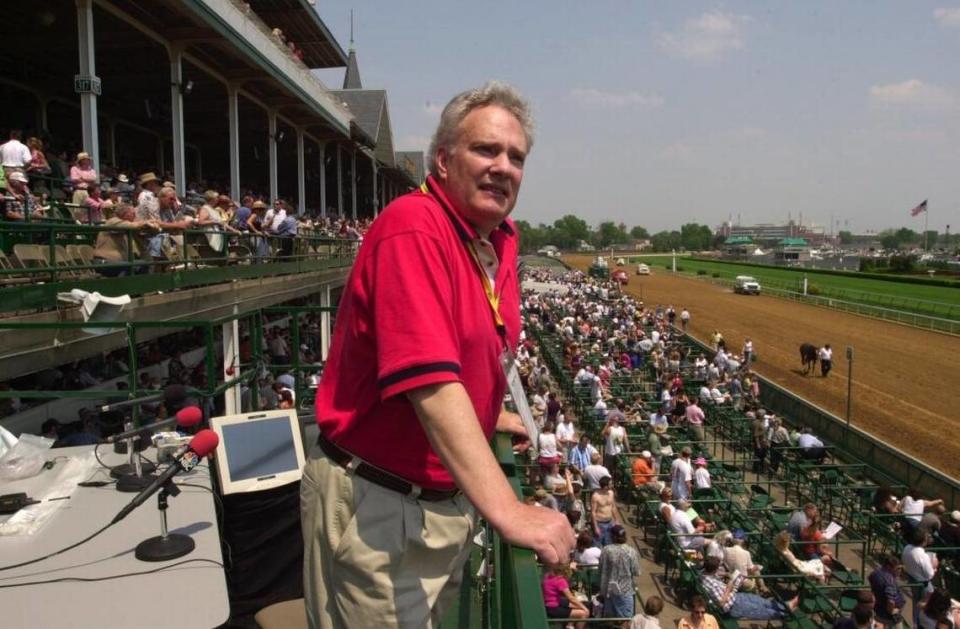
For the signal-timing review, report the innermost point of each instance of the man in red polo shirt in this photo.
(413, 387)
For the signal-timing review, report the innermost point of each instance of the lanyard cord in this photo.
(492, 298)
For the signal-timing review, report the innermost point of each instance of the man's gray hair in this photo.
(492, 93)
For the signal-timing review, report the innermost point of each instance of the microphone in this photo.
(185, 418)
(201, 445)
(172, 393)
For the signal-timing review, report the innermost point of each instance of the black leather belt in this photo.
(381, 477)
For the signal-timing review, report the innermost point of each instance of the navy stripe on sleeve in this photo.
(417, 370)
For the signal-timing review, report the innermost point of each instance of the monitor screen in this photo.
(260, 448)
(258, 451)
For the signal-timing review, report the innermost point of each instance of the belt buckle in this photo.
(415, 491)
(352, 465)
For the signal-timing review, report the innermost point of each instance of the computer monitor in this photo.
(258, 451)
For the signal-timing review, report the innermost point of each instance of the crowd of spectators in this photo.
(604, 336)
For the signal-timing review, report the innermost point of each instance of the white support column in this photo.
(176, 119)
(233, 139)
(376, 199)
(233, 400)
(88, 68)
(353, 182)
(272, 131)
(324, 324)
(112, 145)
(323, 178)
(301, 175)
(339, 183)
(42, 112)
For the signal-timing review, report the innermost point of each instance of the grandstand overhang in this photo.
(300, 23)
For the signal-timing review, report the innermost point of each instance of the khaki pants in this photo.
(376, 558)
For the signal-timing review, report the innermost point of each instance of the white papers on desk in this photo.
(831, 531)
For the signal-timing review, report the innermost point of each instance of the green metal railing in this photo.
(36, 285)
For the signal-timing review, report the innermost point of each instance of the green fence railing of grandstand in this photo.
(37, 286)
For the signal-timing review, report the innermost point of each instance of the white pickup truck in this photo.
(746, 285)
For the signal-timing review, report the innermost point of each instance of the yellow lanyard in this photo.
(492, 298)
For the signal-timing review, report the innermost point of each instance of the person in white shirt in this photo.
(566, 434)
(701, 475)
(616, 442)
(747, 350)
(811, 448)
(913, 505)
(680, 524)
(594, 472)
(826, 360)
(920, 566)
(14, 154)
(681, 475)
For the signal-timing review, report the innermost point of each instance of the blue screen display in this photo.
(261, 447)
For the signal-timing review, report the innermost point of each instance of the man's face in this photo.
(165, 201)
(482, 172)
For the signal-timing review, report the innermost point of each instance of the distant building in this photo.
(738, 247)
(768, 234)
(790, 250)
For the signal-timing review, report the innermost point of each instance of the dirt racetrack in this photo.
(905, 380)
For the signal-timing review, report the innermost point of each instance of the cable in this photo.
(54, 554)
(112, 577)
(218, 503)
(97, 455)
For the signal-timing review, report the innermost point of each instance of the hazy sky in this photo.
(659, 113)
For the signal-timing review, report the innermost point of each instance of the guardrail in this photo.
(190, 261)
(936, 324)
(855, 444)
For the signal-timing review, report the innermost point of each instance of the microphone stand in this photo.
(165, 546)
(134, 476)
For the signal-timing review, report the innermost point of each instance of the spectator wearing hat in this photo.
(18, 203)
(124, 187)
(702, 483)
(82, 174)
(950, 529)
(644, 474)
(111, 250)
(147, 206)
(619, 571)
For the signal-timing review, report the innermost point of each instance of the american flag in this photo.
(920, 209)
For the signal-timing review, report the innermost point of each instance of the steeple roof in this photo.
(351, 80)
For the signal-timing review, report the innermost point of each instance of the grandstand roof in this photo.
(739, 240)
(370, 111)
(792, 242)
(301, 24)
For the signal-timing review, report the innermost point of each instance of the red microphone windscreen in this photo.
(190, 416)
(204, 442)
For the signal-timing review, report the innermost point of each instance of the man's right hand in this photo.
(541, 529)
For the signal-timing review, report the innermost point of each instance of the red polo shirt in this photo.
(414, 313)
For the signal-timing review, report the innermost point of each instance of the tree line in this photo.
(569, 231)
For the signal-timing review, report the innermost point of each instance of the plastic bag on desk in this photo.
(7, 440)
(25, 459)
(62, 483)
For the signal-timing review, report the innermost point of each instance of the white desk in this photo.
(193, 595)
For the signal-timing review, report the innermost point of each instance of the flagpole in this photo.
(926, 219)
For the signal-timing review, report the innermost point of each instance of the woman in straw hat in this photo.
(82, 175)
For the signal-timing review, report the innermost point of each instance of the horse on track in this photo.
(808, 357)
